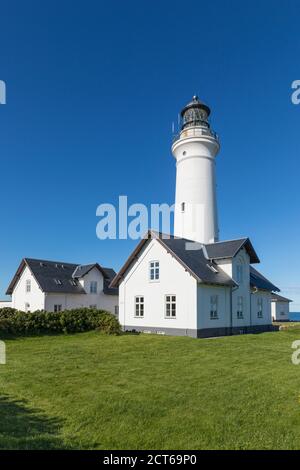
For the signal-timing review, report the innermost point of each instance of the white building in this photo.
(56, 286)
(190, 283)
(280, 308)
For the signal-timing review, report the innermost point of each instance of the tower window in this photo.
(183, 207)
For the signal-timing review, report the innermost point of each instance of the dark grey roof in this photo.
(111, 273)
(229, 248)
(55, 276)
(82, 269)
(279, 298)
(260, 282)
(194, 261)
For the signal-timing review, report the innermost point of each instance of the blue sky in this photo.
(92, 90)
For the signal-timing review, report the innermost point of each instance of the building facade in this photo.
(55, 286)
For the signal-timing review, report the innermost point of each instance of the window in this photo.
(259, 307)
(117, 310)
(214, 307)
(240, 307)
(139, 307)
(93, 287)
(282, 314)
(27, 307)
(73, 282)
(93, 306)
(182, 206)
(170, 306)
(154, 270)
(58, 282)
(57, 308)
(28, 285)
(239, 274)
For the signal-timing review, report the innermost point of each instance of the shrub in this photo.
(16, 322)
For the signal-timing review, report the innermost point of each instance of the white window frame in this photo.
(155, 269)
(93, 287)
(214, 307)
(171, 301)
(260, 307)
(28, 286)
(139, 306)
(57, 308)
(240, 308)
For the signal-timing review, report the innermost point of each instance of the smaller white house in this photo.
(55, 286)
(280, 307)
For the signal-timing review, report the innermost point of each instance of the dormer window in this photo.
(93, 287)
(58, 282)
(73, 282)
(154, 270)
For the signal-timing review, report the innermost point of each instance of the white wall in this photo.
(69, 301)
(196, 186)
(204, 294)
(35, 298)
(266, 299)
(5, 303)
(280, 311)
(173, 280)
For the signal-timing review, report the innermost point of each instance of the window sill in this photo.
(170, 318)
(139, 317)
(215, 318)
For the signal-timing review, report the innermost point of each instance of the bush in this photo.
(16, 322)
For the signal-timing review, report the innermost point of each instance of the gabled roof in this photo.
(54, 276)
(260, 282)
(194, 261)
(279, 298)
(82, 269)
(229, 248)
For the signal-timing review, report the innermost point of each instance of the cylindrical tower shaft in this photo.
(195, 150)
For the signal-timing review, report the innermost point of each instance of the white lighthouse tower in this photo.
(195, 150)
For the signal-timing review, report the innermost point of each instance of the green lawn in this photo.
(90, 391)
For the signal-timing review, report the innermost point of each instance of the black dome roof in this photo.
(195, 103)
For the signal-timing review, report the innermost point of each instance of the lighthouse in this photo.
(195, 149)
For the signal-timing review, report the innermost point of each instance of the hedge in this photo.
(16, 322)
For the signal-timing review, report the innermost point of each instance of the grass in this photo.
(91, 391)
